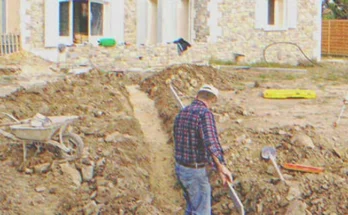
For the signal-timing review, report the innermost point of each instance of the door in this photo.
(97, 14)
(65, 22)
(79, 21)
(58, 23)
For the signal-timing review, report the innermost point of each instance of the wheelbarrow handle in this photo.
(10, 116)
(12, 123)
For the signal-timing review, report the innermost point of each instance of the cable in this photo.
(289, 43)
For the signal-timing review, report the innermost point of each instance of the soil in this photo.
(127, 163)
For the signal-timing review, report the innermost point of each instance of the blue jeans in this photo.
(197, 189)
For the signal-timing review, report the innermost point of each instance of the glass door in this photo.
(97, 14)
(65, 22)
(80, 21)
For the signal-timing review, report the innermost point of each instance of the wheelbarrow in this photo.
(50, 130)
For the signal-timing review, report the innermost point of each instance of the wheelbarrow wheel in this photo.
(74, 143)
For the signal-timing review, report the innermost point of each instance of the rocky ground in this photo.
(127, 162)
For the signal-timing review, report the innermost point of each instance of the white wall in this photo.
(317, 34)
(183, 14)
(214, 15)
(169, 12)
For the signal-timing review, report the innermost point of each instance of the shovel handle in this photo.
(341, 113)
(176, 96)
(237, 202)
(11, 123)
(276, 167)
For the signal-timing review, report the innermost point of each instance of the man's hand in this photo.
(225, 175)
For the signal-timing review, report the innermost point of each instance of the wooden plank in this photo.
(11, 44)
(17, 43)
(4, 44)
(1, 44)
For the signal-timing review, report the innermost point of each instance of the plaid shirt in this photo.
(195, 135)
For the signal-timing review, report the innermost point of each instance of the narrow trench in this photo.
(162, 179)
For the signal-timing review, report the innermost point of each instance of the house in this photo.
(258, 29)
(9, 19)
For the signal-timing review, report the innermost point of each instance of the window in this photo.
(3, 16)
(183, 19)
(64, 17)
(275, 14)
(276, 10)
(152, 26)
(271, 12)
(79, 21)
(96, 19)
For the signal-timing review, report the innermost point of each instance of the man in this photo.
(196, 146)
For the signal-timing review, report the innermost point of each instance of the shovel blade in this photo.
(268, 151)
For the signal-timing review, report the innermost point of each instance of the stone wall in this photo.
(34, 24)
(200, 21)
(239, 36)
(130, 56)
(130, 33)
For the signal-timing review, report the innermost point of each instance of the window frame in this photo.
(102, 3)
(288, 11)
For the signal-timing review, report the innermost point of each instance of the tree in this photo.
(335, 9)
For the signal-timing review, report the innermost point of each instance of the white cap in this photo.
(210, 89)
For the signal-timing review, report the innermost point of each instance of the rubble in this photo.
(113, 176)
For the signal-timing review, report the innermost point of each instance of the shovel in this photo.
(269, 153)
(236, 200)
(341, 113)
(177, 98)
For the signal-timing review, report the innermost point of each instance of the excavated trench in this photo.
(127, 167)
(162, 180)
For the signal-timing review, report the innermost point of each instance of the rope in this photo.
(289, 43)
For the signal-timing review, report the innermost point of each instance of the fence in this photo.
(9, 43)
(334, 37)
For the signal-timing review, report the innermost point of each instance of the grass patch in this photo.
(290, 77)
(215, 61)
(273, 76)
(337, 73)
(271, 65)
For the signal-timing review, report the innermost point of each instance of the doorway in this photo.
(81, 21)
(152, 22)
(183, 14)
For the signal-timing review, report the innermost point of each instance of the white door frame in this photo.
(68, 39)
(94, 39)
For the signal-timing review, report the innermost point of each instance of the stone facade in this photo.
(130, 21)
(200, 22)
(33, 26)
(236, 18)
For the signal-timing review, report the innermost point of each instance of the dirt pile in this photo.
(256, 180)
(111, 177)
(186, 79)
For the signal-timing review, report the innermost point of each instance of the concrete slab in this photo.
(47, 54)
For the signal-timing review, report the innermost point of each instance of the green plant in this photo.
(215, 61)
(290, 77)
(271, 65)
